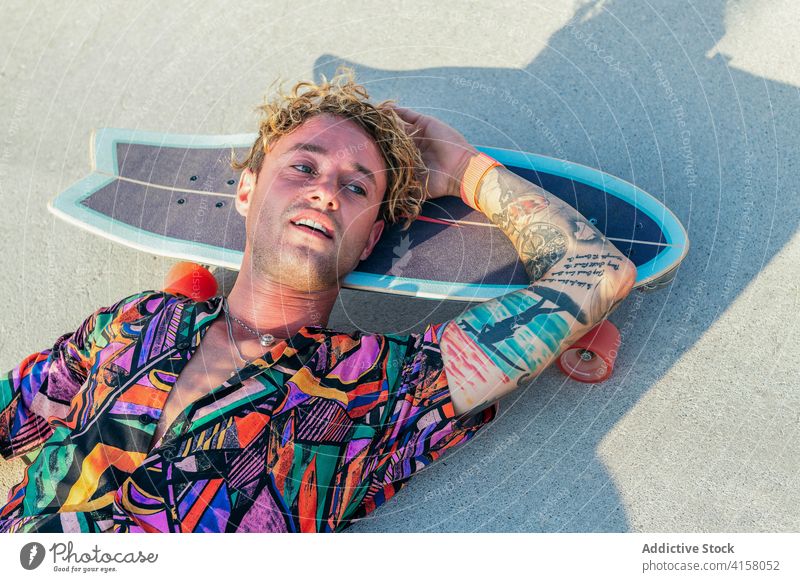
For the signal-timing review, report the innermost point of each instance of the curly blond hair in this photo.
(341, 96)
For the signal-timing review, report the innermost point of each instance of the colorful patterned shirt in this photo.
(321, 430)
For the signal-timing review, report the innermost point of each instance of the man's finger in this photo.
(407, 114)
(407, 125)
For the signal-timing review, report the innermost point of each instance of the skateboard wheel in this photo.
(192, 280)
(591, 358)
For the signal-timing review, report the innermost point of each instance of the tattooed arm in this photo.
(577, 276)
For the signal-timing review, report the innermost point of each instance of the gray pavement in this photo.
(695, 102)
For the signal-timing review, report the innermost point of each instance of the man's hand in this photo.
(445, 152)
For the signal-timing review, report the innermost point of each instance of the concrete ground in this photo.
(695, 102)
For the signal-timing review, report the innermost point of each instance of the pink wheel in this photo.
(192, 280)
(591, 358)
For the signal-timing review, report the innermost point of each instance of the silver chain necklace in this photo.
(264, 339)
(236, 369)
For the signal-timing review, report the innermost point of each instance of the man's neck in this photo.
(277, 309)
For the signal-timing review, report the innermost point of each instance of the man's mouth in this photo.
(312, 228)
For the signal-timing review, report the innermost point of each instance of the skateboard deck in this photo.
(173, 195)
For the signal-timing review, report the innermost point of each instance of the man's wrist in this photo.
(477, 165)
(458, 171)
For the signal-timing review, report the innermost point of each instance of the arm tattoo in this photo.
(524, 212)
(507, 338)
(497, 345)
(542, 246)
(587, 271)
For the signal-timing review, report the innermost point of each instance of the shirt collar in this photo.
(201, 314)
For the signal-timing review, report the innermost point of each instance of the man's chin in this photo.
(301, 265)
(299, 272)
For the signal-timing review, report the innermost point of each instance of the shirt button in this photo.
(146, 418)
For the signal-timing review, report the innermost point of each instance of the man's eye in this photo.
(304, 166)
(360, 190)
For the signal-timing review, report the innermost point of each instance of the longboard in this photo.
(173, 195)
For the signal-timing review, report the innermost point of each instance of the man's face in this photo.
(329, 171)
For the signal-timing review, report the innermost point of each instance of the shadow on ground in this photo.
(633, 90)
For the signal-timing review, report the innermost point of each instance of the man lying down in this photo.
(244, 413)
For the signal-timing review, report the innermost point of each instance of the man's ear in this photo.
(374, 237)
(245, 191)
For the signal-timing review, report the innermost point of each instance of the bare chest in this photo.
(208, 368)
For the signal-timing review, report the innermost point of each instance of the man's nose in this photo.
(327, 191)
